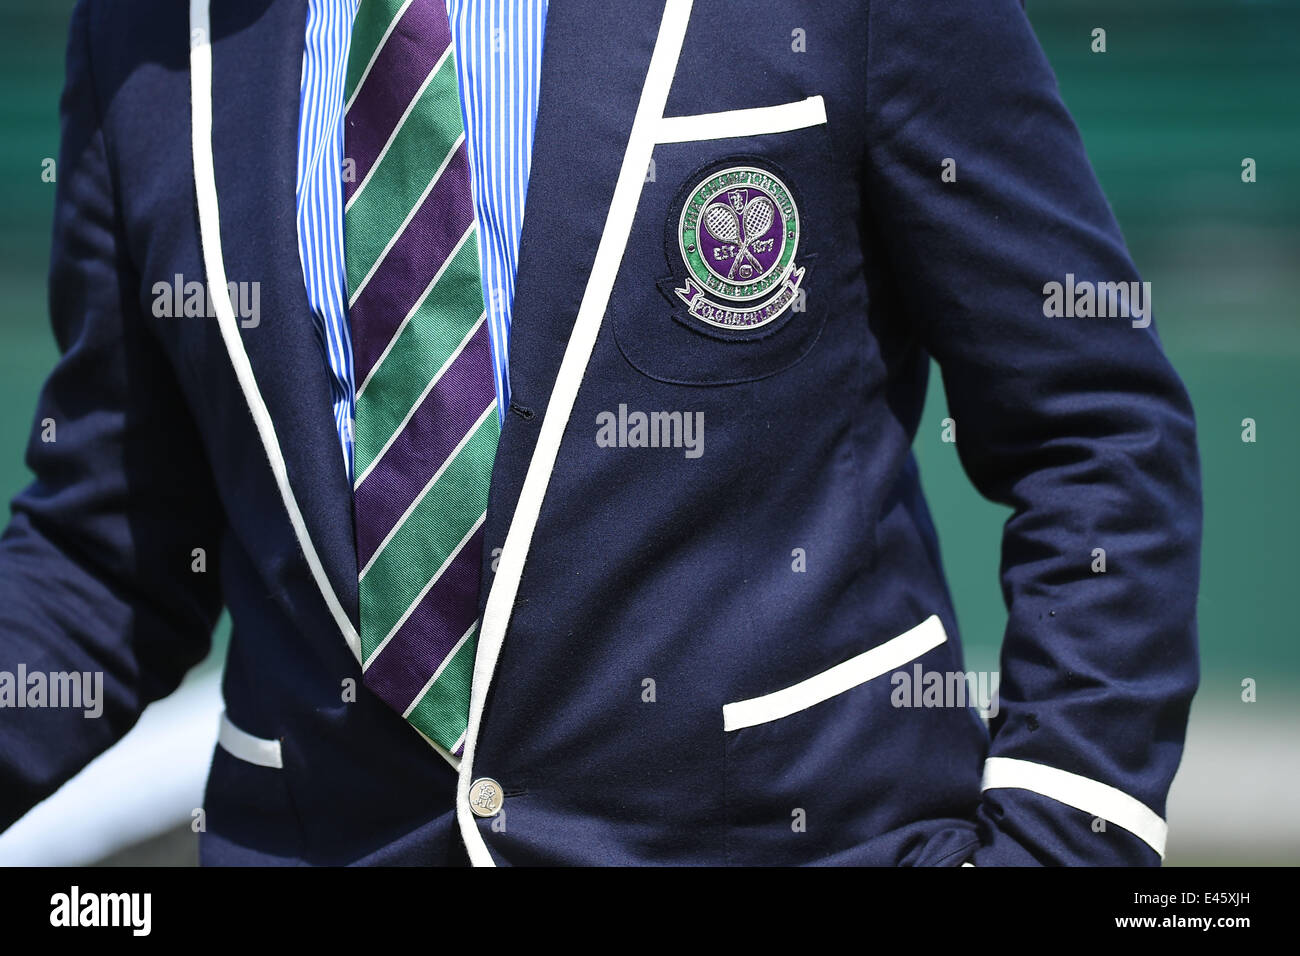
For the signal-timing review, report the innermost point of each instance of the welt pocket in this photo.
(247, 799)
(841, 678)
(755, 121)
(241, 745)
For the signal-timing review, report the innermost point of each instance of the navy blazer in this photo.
(684, 659)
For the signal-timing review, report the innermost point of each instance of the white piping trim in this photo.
(609, 254)
(244, 746)
(1090, 796)
(881, 659)
(758, 121)
(205, 187)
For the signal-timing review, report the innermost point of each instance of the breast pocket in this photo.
(720, 280)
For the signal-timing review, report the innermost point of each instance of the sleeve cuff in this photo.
(1090, 796)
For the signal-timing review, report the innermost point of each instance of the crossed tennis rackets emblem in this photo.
(742, 219)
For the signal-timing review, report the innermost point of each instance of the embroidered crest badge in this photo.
(737, 236)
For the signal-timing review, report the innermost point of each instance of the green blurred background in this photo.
(1184, 92)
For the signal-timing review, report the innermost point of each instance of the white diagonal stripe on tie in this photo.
(379, 48)
(438, 673)
(425, 490)
(398, 128)
(469, 231)
(460, 546)
(406, 222)
(423, 395)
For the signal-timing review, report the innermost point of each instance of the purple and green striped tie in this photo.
(426, 419)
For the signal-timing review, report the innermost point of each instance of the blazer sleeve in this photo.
(1079, 425)
(96, 564)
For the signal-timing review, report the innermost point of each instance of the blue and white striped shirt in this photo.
(498, 50)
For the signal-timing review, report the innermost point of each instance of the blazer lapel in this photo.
(594, 64)
(256, 71)
(587, 104)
